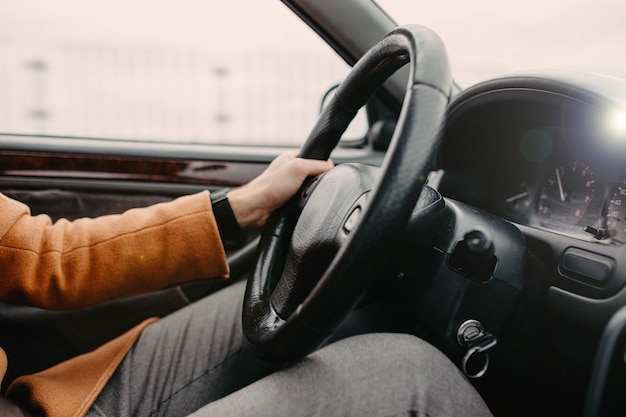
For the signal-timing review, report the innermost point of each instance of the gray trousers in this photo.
(195, 362)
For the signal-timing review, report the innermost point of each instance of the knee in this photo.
(399, 369)
(395, 360)
(391, 350)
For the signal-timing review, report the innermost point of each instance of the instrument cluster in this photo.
(569, 198)
(542, 160)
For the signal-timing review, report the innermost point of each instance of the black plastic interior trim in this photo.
(605, 394)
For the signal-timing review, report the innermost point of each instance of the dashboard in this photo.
(541, 152)
(546, 152)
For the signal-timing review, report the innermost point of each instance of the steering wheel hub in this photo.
(322, 228)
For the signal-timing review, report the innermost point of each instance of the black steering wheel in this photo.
(319, 254)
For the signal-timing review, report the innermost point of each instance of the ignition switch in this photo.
(471, 335)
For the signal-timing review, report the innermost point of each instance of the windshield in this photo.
(487, 38)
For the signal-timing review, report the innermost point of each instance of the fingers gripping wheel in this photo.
(287, 311)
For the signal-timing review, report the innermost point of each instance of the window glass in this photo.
(244, 72)
(487, 38)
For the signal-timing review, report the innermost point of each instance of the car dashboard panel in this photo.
(547, 152)
(551, 159)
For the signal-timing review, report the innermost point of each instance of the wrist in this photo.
(227, 223)
(246, 203)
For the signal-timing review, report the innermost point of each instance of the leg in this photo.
(186, 360)
(381, 375)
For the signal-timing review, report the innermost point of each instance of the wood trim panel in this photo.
(180, 171)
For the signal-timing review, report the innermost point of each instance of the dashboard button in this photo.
(352, 219)
(580, 264)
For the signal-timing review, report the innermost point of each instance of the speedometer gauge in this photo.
(567, 193)
(616, 212)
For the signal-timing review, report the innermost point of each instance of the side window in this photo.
(188, 71)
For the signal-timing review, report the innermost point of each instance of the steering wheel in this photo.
(319, 254)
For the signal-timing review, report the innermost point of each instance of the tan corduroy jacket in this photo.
(68, 265)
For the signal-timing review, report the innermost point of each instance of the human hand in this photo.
(253, 202)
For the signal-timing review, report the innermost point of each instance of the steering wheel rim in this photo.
(408, 160)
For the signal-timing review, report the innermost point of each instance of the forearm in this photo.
(80, 263)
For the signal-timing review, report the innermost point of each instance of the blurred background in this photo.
(250, 72)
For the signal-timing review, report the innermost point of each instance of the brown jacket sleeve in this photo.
(69, 265)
